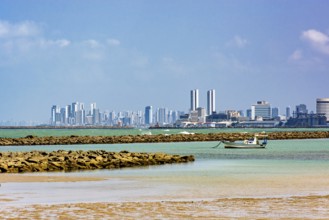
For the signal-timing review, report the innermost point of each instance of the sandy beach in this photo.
(266, 198)
(307, 207)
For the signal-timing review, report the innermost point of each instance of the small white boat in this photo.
(249, 144)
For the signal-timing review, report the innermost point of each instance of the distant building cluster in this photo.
(260, 114)
(76, 114)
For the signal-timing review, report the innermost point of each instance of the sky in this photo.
(125, 55)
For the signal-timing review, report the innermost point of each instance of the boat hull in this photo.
(243, 146)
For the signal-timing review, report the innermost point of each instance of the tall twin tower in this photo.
(210, 101)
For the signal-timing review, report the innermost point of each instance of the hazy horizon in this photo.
(125, 55)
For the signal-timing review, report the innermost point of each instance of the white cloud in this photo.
(59, 43)
(25, 36)
(296, 55)
(92, 43)
(113, 42)
(63, 43)
(22, 29)
(238, 41)
(318, 40)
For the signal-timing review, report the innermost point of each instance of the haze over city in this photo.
(125, 55)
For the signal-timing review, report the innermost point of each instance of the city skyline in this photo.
(152, 117)
(264, 109)
(76, 114)
(130, 54)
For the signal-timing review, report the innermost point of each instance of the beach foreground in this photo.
(239, 197)
(306, 207)
(287, 180)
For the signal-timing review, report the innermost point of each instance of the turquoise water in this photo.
(14, 133)
(303, 150)
(280, 157)
(284, 168)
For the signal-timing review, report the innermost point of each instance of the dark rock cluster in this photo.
(61, 160)
(71, 140)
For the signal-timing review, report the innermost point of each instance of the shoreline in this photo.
(160, 138)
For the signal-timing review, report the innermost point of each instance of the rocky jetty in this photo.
(61, 160)
(71, 140)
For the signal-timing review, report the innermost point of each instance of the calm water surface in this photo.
(216, 173)
(284, 168)
(14, 133)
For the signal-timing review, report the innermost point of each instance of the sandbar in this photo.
(7, 178)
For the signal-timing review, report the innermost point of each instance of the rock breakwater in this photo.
(71, 140)
(61, 160)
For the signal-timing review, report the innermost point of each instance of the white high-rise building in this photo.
(194, 99)
(55, 115)
(211, 102)
(261, 110)
(92, 107)
(322, 106)
(162, 115)
(75, 107)
(67, 113)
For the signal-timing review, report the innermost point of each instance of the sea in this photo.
(284, 169)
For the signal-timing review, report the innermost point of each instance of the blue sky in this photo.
(125, 55)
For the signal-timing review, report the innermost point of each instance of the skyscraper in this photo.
(67, 114)
(75, 108)
(194, 99)
(148, 115)
(92, 107)
(55, 115)
(288, 112)
(261, 109)
(322, 106)
(211, 102)
(96, 116)
(162, 115)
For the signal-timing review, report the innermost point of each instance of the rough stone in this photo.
(70, 140)
(36, 161)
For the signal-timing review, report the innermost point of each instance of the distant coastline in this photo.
(131, 127)
(159, 138)
(65, 127)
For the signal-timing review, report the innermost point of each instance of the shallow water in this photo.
(15, 133)
(285, 168)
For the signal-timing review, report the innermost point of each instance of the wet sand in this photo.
(19, 178)
(307, 207)
(269, 197)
